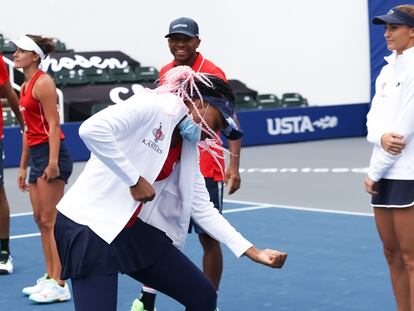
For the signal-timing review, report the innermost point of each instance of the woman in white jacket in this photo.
(390, 178)
(144, 162)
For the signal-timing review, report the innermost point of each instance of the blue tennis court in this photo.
(335, 263)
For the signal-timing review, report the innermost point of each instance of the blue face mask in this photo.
(189, 130)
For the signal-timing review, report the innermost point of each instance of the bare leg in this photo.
(4, 215)
(44, 197)
(399, 275)
(212, 259)
(404, 220)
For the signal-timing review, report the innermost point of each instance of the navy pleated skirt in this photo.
(39, 160)
(393, 193)
(83, 253)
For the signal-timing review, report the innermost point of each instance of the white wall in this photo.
(319, 48)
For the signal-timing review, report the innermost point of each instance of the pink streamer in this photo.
(181, 81)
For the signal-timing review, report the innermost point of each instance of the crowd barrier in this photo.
(261, 127)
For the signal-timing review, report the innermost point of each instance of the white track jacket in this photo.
(132, 139)
(392, 110)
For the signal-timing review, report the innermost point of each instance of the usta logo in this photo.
(299, 124)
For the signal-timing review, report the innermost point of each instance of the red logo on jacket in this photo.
(158, 134)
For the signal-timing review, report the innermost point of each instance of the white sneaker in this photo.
(51, 292)
(36, 288)
(6, 263)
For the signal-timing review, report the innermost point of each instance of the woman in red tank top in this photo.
(50, 163)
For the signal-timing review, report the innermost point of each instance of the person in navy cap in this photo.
(132, 204)
(183, 25)
(390, 178)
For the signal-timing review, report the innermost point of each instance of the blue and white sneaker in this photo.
(51, 292)
(6, 262)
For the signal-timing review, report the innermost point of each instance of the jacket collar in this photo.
(196, 66)
(406, 56)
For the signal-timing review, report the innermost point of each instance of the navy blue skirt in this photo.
(39, 159)
(393, 193)
(83, 253)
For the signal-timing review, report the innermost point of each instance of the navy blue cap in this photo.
(183, 25)
(226, 108)
(394, 16)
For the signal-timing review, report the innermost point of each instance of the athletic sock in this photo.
(148, 299)
(4, 245)
(148, 289)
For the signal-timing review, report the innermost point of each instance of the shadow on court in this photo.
(335, 263)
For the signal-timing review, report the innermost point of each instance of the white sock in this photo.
(149, 290)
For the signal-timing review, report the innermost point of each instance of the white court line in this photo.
(23, 236)
(21, 214)
(245, 209)
(256, 206)
(297, 208)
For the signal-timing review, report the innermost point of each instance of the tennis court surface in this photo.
(335, 263)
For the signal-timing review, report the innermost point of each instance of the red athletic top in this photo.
(200, 65)
(37, 129)
(172, 158)
(4, 77)
(4, 74)
(208, 166)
